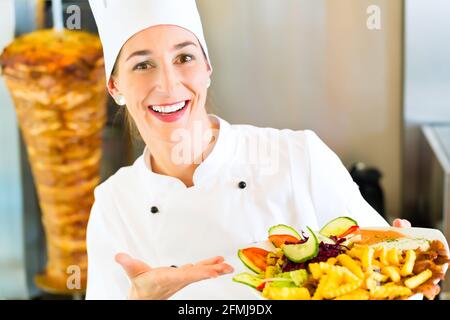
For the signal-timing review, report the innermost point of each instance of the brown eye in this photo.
(142, 66)
(186, 58)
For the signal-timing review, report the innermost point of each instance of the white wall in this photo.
(427, 57)
(427, 89)
(313, 64)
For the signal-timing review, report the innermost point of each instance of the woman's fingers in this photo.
(206, 262)
(132, 267)
(221, 269)
(210, 261)
(401, 223)
(203, 272)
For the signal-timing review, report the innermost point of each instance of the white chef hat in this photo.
(118, 20)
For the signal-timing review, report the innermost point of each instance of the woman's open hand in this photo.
(401, 223)
(161, 283)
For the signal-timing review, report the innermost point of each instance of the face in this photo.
(163, 74)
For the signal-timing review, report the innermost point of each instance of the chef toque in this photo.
(118, 20)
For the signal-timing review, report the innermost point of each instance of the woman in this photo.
(202, 187)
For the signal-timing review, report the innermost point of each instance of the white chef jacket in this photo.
(305, 184)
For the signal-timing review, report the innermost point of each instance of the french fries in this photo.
(417, 280)
(392, 256)
(367, 257)
(390, 292)
(407, 268)
(364, 273)
(392, 272)
(361, 273)
(286, 293)
(358, 294)
(351, 265)
(318, 293)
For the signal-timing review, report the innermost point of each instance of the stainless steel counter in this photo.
(435, 181)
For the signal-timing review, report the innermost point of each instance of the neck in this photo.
(180, 158)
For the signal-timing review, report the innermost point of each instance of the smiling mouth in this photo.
(169, 109)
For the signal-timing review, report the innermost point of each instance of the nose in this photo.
(167, 79)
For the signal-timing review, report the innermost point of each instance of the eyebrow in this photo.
(149, 52)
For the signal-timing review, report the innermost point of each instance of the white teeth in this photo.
(169, 109)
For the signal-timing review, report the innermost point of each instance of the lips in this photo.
(169, 112)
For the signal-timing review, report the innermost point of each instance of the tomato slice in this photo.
(350, 230)
(257, 256)
(261, 286)
(280, 239)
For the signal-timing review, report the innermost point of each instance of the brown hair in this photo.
(130, 126)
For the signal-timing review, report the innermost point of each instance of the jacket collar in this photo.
(207, 170)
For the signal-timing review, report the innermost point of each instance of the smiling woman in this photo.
(163, 74)
(198, 176)
(164, 112)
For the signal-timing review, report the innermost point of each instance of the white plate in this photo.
(426, 233)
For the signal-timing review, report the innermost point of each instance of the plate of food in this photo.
(343, 261)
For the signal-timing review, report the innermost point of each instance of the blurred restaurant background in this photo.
(379, 97)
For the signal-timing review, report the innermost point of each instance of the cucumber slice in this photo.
(282, 284)
(337, 226)
(304, 251)
(326, 240)
(284, 229)
(299, 277)
(285, 275)
(248, 279)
